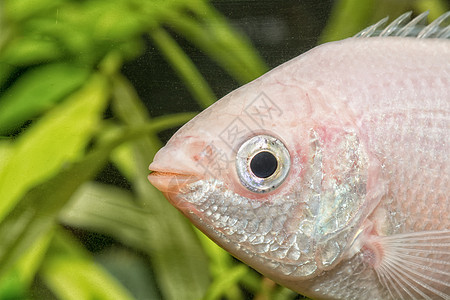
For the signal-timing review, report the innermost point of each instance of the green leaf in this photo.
(83, 31)
(436, 7)
(226, 281)
(18, 280)
(285, 294)
(348, 18)
(29, 263)
(109, 210)
(71, 273)
(5, 70)
(57, 139)
(104, 15)
(17, 10)
(5, 32)
(132, 269)
(37, 91)
(80, 18)
(29, 50)
(239, 47)
(220, 263)
(214, 35)
(5, 151)
(35, 215)
(179, 262)
(12, 287)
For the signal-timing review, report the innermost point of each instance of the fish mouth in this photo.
(169, 182)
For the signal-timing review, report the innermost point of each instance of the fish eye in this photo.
(262, 163)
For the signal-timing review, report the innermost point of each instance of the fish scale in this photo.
(430, 144)
(351, 280)
(414, 161)
(421, 185)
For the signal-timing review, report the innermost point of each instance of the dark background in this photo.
(279, 30)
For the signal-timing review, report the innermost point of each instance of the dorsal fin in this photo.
(414, 28)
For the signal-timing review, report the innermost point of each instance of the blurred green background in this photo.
(89, 91)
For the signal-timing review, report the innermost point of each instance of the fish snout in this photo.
(173, 168)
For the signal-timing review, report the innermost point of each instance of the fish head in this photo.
(277, 187)
(207, 146)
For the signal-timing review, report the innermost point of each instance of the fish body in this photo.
(356, 205)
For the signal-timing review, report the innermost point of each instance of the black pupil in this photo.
(263, 164)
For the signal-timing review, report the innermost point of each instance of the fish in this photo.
(330, 174)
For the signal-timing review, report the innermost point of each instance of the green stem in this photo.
(156, 125)
(219, 43)
(185, 68)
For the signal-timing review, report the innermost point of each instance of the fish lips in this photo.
(173, 186)
(170, 182)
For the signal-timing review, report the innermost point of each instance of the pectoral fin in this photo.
(414, 265)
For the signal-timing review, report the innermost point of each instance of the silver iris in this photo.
(262, 163)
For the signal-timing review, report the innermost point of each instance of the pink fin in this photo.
(415, 265)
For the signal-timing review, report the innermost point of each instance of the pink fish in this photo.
(330, 174)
